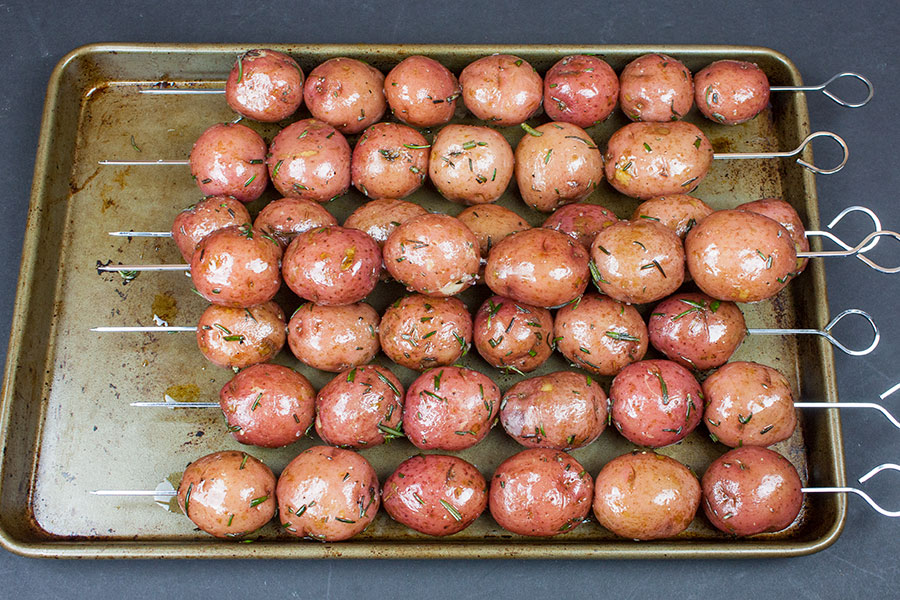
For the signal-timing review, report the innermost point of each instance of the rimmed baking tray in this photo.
(66, 426)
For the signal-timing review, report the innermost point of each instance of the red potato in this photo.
(346, 93)
(227, 494)
(581, 90)
(470, 165)
(310, 159)
(538, 266)
(228, 159)
(379, 218)
(419, 332)
(237, 267)
(236, 338)
(731, 91)
(637, 261)
(540, 492)
(421, 91)
(646, 496)
(334, 338)
(435, 494)
(680, 212)
(284, 219)
(491, 224)
(450, 408)
(513, 335)
(645, 160)
(361, 407)
(656, 88)
(199, 220)
(333, 266)
(557, 164)
(562, 411)
(581, 221)
(389, 161)
(501, 88)
(655, 403)
(264, 85)
(434, 254)
(751, 490)
(740, 256)
(600, 334)
(268, 405)
(748, 404)
(327, 494)
(697, 331)
(785, 214)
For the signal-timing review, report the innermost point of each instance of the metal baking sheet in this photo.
(66, 426)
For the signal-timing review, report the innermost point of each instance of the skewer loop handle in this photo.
(824, 89)
(859, 492)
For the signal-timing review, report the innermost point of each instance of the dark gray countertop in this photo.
(822, 39)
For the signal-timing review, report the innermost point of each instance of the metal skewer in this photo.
(857, 491)
(826, 333)
(157, 328)
(116, 268)
(794, 152)
(166, 493)
(822, 88)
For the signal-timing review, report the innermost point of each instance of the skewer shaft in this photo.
(149, 234)
(177, 91)
(167, 493)
(116, 268)
(843, 405)
(142, 162)
(176, 404)
(161, 329)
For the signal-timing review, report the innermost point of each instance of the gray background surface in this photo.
(821, 38)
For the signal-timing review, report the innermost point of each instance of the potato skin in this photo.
(696, 330)
(327, 494)
(389, 161)
(656, 88)
(333, 266)
(679, 158)
(562, 411)
(785, 214)
(751, 490)
(237, 267)
(638, 261)
(434, 254)
(501, 88)
(470, 164)
(538, 266)
(421, 91)
(268, 405)
(423, 490)
(346, 93)
(450, 408)
(491, 224)
(334, 338)
(310, 159)
(227, 494)
(284, 219)
(731, 91)
(749, 404)
(581, 221)
(600, 334)
(740, 256)
(679, 212)
(560, 166)
(228, 160)
(206, 216)
(540, 492)
(254, 335)
(264, 85)
(581, 90)
(655, 403)
(646, 496)
(379, 218)
(510, 334)
(407, 322)
(360, 408)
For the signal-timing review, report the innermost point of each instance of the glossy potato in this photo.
(731, 91)
(284, 219)
(600, 334)
(236, 338)
(470, 164)
(540, 492)
(645, 160)
(206, 216)
(502, 89)
(228, 159)
(581, 221)
(679, 212)
(419, 332)
(334, 338)
(379, 218)
(227, 494)
(268, 405)
(513, 335)
(581, 90)
(740, 256)
(264, 85)
(421, 91)
(557, 164)
(435, 494)
(656, 88)
(310, 159)
(646, 496)
(785, 214)
(346, 93)
(751, 490)
(562, 411)
(389, 161)
(491, 224)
